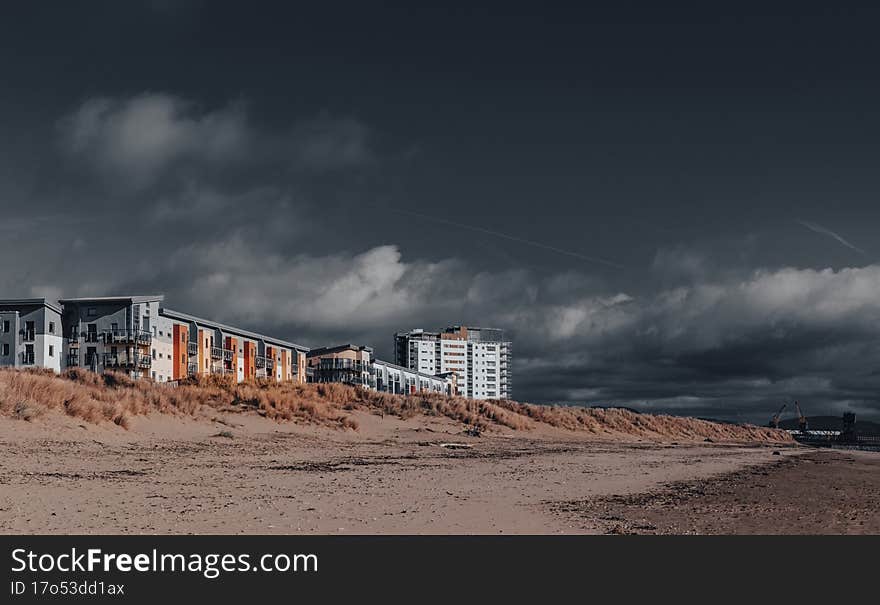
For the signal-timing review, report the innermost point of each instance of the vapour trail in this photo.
(820, 229)
(513, 238)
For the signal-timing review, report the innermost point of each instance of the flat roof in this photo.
(322, 350)
(171, 314)
(104, 299)
(27, 302)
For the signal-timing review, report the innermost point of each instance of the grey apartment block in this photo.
(111, 333)
(30, 334)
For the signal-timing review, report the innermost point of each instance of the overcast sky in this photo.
(673, 209)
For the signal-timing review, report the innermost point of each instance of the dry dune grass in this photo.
(116, 398)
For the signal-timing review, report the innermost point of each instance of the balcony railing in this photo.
(140, 337)
(27, 358)
(344, 364)
(73, 339)
(91, 337)
(259, 362)
(192, 369)
(124, 360)
(216, 353)
(73, 360)
(28, 335)
(270, 364)
(192, 348)
(228, 354)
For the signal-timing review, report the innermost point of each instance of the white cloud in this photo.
(136, 141)
(137, 138)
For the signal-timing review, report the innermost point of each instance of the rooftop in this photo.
(106, 299)
(337, 348)
(28, 302)
(171, 314)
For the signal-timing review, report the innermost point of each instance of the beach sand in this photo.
(239, 473)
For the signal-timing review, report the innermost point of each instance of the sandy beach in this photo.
(247, 474)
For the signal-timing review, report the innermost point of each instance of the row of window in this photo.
(29, 350)
(28, 326)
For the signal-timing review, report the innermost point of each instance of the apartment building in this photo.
(137, 335)
(202, 347)
(348, 364)
(111, 333)
(31, 334)
(479, 357)
(356, 365)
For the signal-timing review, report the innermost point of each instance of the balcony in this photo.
(73, 360)
(138, 337)
(73, 340)
(192, 349)
(27, 358)
(192, 369)
(127, 361)
(28, 336)
(344, 364)
(259, 362)
(228, 354)
(216, 353)
(270, 364)
(91, 337)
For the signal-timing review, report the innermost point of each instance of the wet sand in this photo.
(820, 492)
(245, 474)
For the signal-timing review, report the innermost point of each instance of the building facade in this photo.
(202, 347)
(355, 365)
(111, 333)
(31, 334)
(479, 357)
(138, 336)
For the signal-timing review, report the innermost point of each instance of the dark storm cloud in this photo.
(337, 176)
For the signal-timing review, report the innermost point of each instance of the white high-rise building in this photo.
(480, 357)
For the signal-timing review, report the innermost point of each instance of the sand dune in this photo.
(117, 399)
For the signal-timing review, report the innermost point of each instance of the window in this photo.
(51, 350)
(51, 327)
(6, 326)
(6, 349)
(92, 311)
(154, 353)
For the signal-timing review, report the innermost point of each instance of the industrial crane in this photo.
(802, 420)
(774, 422)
